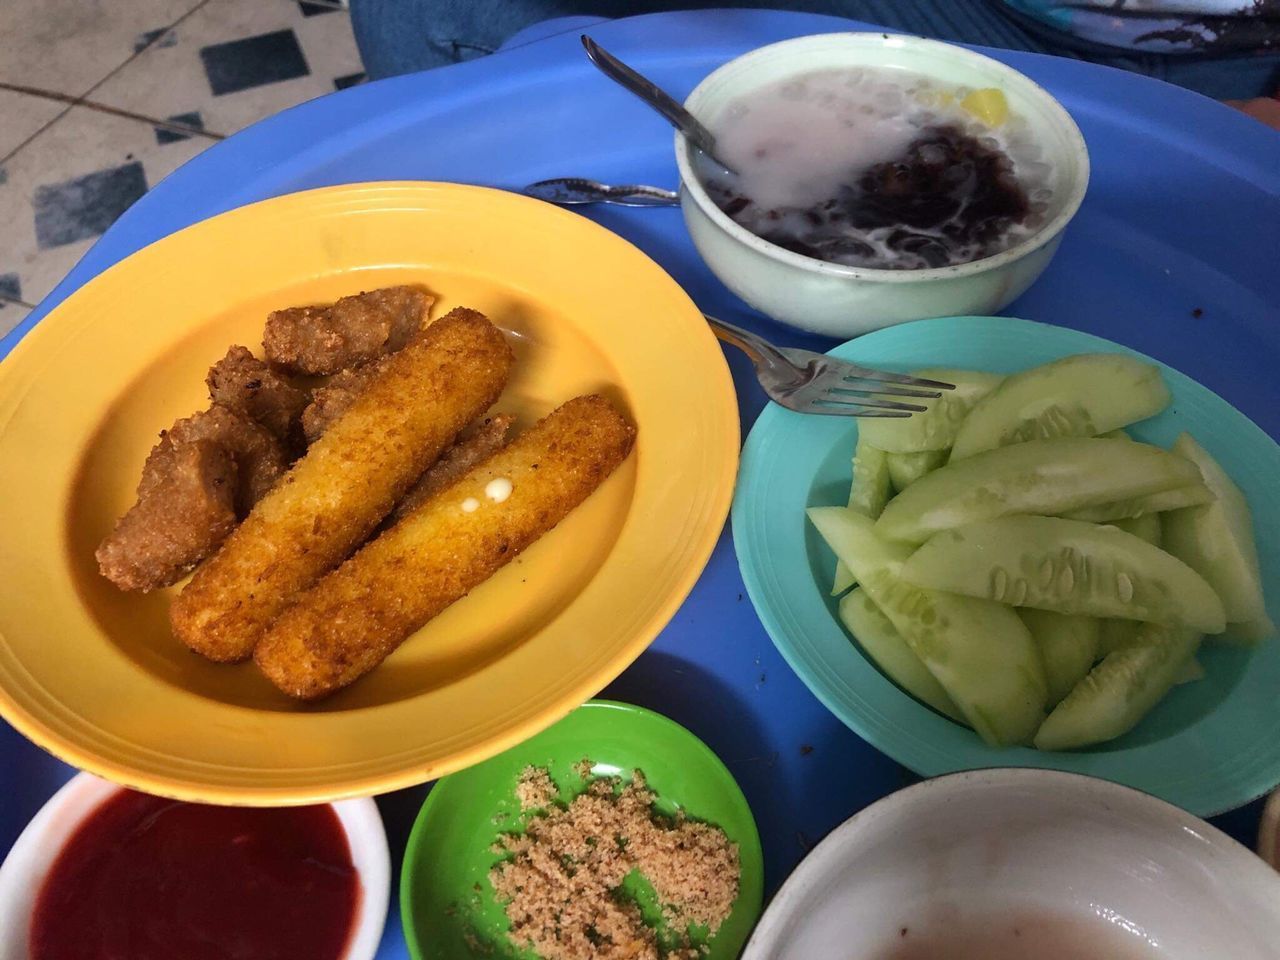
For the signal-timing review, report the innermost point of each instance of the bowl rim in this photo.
(1199, 765)
(32, 856)
(691, 187)
(415, 936)
(1110, 796)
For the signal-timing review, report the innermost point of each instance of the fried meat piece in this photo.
(325, 339)
(337, 395)
(479, 442)
(354, 617)
(185, 509)
(247, 385)
(344, 485)
(260, 457)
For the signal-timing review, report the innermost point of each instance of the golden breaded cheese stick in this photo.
(351, 620)
(349, 479)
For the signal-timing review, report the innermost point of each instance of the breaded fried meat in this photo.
(185, 509)
(347, 481)
(260, 457)
(247, 385)
(325, 339)
(352, 619)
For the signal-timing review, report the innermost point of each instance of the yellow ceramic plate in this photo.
(93, 674)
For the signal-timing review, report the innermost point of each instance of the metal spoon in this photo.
(572, 191)
(656, 97)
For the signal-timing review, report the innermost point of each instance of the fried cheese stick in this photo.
(346, 483)
(352, 619)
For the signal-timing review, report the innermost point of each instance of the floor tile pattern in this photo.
(100, 101)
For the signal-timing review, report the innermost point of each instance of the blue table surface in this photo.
(1173, 253)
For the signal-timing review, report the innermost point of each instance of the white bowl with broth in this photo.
(1020, 864)
(1040, 141)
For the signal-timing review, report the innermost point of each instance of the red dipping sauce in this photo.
(145, 878)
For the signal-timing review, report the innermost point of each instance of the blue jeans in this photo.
(404, 36)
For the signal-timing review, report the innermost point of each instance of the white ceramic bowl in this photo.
(844, 301)
(28, 863)
(998, 841)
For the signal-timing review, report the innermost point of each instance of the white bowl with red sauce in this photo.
(842, 300)
(1008, 864)
(334, 856)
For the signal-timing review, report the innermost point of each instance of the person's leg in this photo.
(402, 36)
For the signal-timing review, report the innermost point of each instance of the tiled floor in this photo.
(99, 101)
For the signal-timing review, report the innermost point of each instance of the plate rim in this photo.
(719, 485)
(863, 719)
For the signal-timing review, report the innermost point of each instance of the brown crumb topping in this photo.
(535, 789)
(561, 882)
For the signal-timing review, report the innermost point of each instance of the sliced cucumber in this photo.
(1115, 634)
(1216, 539)
(842, 580)
(1080, 396)
(871, 484)
(852, 538)
(906, 468)
(1068, 645)
(1153, 503)
(1119, 691)
(870, 492)
(1250, 632)
(935, 429)
(882, 642)
(979, 651)
(1191, 671)
(1144, 527)
(1041, 476)
(1069, 567)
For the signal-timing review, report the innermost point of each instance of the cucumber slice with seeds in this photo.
(1191, 671)
(1250, 632)
(1115, 634)
(871, 484)
(1153, 503)
(979, 651)
(906, 468)
(936, 428)
(882, 642)
(1078, 396)
(1145, 527)
(842, 580)
(1069, 567)
(1068, 645)
(1040, 477)
(1216, 539)
(870, 492)
(1121, 690)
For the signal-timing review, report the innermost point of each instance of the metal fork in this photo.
(809, 382)
(571, 191)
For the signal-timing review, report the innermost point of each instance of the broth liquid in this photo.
(1025, 935)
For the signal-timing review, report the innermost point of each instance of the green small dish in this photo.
(1207, 747)
(449, 909)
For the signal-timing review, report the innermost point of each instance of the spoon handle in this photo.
(652, 94)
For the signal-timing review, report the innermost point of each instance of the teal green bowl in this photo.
(448, 907)
(1209, 746)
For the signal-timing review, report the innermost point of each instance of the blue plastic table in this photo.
(1174, 253)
